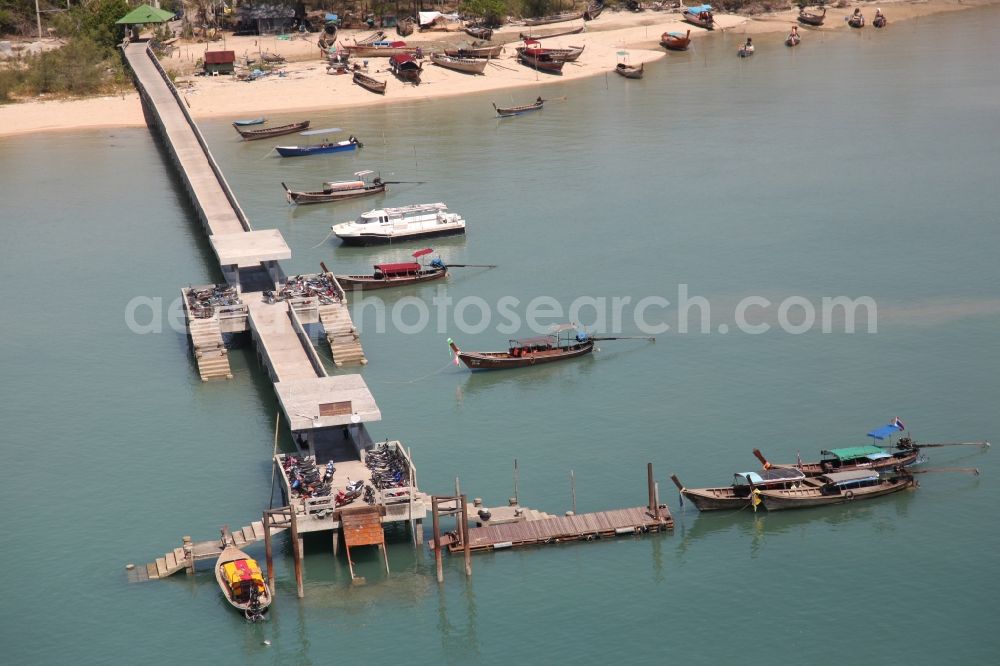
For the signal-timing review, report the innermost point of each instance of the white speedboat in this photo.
(393, 225)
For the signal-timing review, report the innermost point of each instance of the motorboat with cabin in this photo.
(393, 225)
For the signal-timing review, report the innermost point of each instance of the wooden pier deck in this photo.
(184, 557)
(559, 529)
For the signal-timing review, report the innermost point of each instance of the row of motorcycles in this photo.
(388, 468)
(307, 480)
(305, 286)
(202, 302)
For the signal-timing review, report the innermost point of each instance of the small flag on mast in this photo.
(899, 424)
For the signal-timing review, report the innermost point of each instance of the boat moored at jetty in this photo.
(393, 225)
(835, 488)
(242, 582)
(740, 494)
(851, 458)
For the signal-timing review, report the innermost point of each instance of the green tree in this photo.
(492, 12)
(95, 20)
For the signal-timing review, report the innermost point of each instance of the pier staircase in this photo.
(209, 349)
(190, 552)
(345, 343)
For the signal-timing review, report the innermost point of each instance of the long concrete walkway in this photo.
(219, 215)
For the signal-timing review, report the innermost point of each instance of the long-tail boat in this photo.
(675, 41)
(476, 51)
(542, 62)
(466, 65)
(380, 49)
(561, 33)
(242, 582)
(507, 111)
(397, 274)
(565, 341)
(338, 191)
(700, 16)
(851, 458)
(809, 18)
(569, 54)
(368, 83)
(628, 71)
(740, 493)
(835, 488)
(267, 132)
(554, 18)
(325, 146)
(406, 68)
(593, 11)
(376, 36)
(251, 121)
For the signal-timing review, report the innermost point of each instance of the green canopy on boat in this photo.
(854, 452)
(145, 14)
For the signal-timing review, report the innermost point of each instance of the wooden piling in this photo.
(656, 499)
(649, 487)
(436, 528)
(268, 553)
(465, 536)
(297, 556)
(188, 547)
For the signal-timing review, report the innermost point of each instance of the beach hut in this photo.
(219, 62)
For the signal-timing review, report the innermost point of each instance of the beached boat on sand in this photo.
(338, 190)
(368, 83)
(394, 225)
(562, 33)
(835, 488)
(252, 121)
(406, 68)
(628, 71)
(380, 49)
(507, 111)
(554, 18)
(541, 62)
(268, 132)
(808, 18)
(479, 32)
(740, 494)
(593, 11)
(466, 65)
(700, 16)
(675, 41)
(242, 583)
(568, 54)
(476, 51)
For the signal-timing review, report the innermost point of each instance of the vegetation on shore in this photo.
(86, 64)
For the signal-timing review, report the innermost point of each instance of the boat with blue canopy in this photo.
(326, 146)
(701, 16)
(739, 495)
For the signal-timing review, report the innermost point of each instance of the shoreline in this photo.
(310, 89)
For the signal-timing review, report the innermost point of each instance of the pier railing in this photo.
(306, 341)
(223, 183)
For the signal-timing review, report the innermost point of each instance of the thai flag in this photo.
(899, 424)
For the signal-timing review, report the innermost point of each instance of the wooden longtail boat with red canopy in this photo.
(740, 494)
(406, 68)
(569, 54)
(540, 61)
(242, 582)
(565, 341)
(397, 274)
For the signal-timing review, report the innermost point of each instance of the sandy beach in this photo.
(307, 87)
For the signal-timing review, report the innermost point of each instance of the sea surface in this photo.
(860, 164)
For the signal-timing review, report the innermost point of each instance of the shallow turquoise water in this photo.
(858, 164)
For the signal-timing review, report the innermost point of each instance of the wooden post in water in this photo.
(188, 555)
(572, 487)
(649, 483)
(436, 528)
(656, 500)
(466, 547)
(516, 498)
(297, 555)
(268, 554)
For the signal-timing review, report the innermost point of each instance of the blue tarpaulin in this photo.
(884, 431)
(698, 9)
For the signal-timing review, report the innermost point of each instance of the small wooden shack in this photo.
(220, 62)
